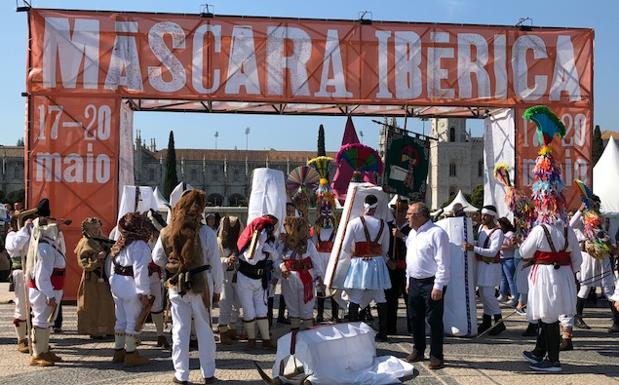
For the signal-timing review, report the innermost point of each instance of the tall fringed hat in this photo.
(518, 202)
(547, 185)
(597, 240)
(325, 197)
(361, 158)
(301, 181)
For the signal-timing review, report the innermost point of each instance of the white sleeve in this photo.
(576, 220)
(212, 257)
(141, 256)
(496, 241)
(349, 237)
(575, 252)
(17, 241)
(43, 270)
(316, 262)
(531, 243)
(443, 260)
(158, 254)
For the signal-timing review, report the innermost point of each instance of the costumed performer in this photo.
(95, 305)
(397, 263)
(552, 248)
(229, 305)
(188, 250)
(488, 269)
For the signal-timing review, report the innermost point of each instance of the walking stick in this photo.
(498, 323)
(28, 310)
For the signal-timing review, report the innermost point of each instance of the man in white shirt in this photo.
(427, 275)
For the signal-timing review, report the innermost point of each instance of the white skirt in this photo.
(552, 292)
(596, 272)
(488, 274)
(371, 274)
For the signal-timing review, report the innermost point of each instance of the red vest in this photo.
(369, 248)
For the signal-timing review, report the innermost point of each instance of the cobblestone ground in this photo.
(489, 360)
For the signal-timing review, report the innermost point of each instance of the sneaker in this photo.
(501, 298)
(532, 357)
(521, 311)
(546, 366)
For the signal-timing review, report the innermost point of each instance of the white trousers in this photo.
(229, 304)
(20, 312)
(488, 300)
(607, 286)
(292, 290)
(41, 311)
(127, 311)
(364, 297)
(252, 296)
(183, 309)
(156, 289)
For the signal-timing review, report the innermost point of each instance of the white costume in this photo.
(45, 274)
(191, 304)
(17, 246)
(128, 280)
(249, 286)
(367, 279)
(488, 273)
(594, 272)
(552, 290)
(298, 288)
(324, 244)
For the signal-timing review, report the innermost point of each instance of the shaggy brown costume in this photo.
(95, 306)
(229, 231)
(181, 243)
(297, 233)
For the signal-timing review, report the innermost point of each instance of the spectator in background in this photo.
(507, 286)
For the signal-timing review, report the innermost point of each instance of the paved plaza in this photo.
(489, 360)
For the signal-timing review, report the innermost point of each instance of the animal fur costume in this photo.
(229, 305)
(180, 240)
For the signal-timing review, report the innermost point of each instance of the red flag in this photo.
(344, 172)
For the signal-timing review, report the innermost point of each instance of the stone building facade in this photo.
(456, 161)
(11, 169)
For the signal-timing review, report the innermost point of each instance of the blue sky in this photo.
(198, 130)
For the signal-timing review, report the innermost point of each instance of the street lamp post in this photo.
(246, 138)
(216, 136)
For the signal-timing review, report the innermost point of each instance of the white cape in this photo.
(459, 316)
(339, 261)
(341, 354)
(268, 195)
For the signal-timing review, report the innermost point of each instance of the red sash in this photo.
(154, 268)
(561, 258)
(57, 279)
(497, 257)
(369, 248)
(302, 266)
(324, 246)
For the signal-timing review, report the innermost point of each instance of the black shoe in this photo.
(177, 381)
(211, 380)
(532, 357)
(579, 323)
(485, 324)
(546, 366)
(499, 326)
(320, 319)
(380, 337)
(614, 328)
(57, 330)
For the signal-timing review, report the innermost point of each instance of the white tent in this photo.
(606, 183)
(162, 203)
(469, 208)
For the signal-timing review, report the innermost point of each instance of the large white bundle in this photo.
(268, 195)
(341, 354)
(459, 317)
(353, 208)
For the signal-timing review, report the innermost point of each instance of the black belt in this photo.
(126, 271)
(424, 280)
(199, 269)
(256, 271)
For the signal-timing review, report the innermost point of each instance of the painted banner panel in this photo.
(73, 151)
(249, 59)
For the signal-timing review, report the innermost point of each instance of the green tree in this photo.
(321, 141)
(597, 147)
(170, 179)
(20, 142)
(477, 196)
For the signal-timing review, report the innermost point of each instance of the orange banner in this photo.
(245, 59)
(572, 153)
(73, 151)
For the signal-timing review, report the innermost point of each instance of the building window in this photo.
(215, 200)
(194, 174)
(480, 168)
(452, 134)
(452, 169)
(237, 200)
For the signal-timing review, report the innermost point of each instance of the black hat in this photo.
(371, 199)
(43, 208)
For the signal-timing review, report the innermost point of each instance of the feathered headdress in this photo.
(547, 186)
(597, 240)
(516, 200)
(325, 198)
(301, 180)
(361, 158)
